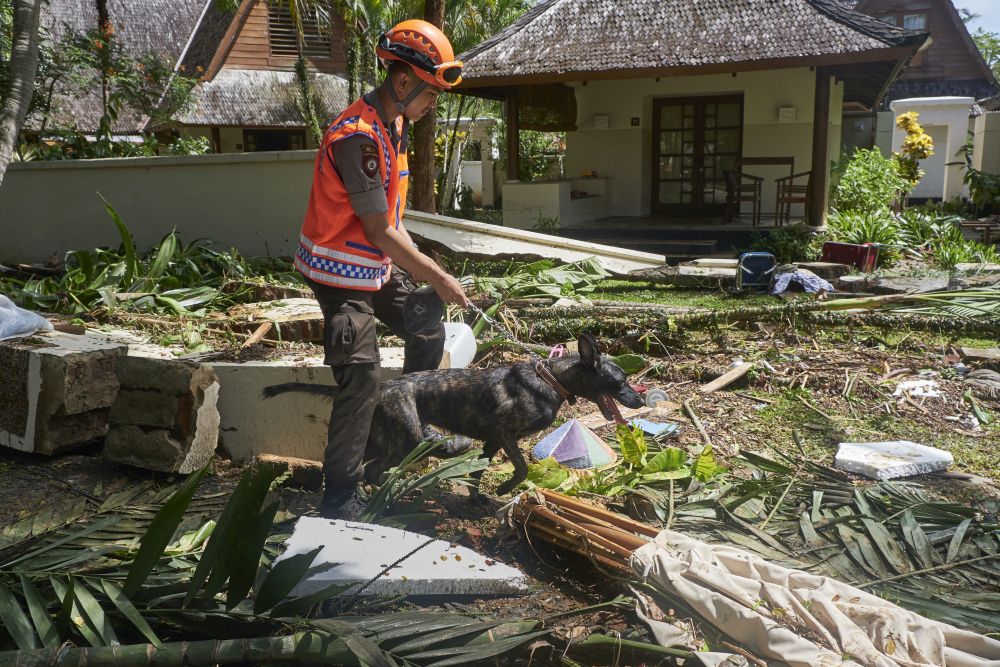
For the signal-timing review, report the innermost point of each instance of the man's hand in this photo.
(450, 290)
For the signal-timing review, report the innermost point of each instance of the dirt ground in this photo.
(818, 388)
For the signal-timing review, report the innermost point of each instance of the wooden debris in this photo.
(258, 334)
(727, 379)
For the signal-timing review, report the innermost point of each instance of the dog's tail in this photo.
(322, 390)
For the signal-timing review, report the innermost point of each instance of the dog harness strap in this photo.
(544, 373)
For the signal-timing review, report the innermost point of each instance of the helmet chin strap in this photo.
(402, 104)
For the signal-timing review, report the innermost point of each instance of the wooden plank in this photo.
(726, 379)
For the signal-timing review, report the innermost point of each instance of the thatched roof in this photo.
(562, 39)
(255, 97)
(160, 27)
(185, 33)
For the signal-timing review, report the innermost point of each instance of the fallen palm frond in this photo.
(168, 577)
(959, 311)
(406, 486)
(689, 574)
(938, 559)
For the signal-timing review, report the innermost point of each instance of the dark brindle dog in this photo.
(498, 406)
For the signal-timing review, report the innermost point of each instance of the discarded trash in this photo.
(888, 460)
(804, 278)
(653, 396)
(575, 446)
(363, 552)
(17, 322)
(918, 389)
(726, 379)
(754, 270)
(655, 429)
(459, 344)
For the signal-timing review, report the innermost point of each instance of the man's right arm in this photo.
(357, 163)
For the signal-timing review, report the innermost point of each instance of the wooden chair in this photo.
(791, 191)
(741, 188)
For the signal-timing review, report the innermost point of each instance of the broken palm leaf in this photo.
(15, 620)
(160, 531)
(117, 596)
(282, 578)
(39, 614)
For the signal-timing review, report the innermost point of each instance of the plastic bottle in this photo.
(459, 344)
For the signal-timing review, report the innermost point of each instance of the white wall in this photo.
(252, 201)
(947, 121)
(986, 155)
(622, 151)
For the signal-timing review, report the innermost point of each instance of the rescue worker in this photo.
(355, 252)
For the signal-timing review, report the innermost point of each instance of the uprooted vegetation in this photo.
(748, 466)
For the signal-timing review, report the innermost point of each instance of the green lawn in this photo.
(633, 292)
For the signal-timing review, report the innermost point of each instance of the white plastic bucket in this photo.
(459, 344)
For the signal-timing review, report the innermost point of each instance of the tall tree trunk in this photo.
(104, 30)
(23, 66)
(422, 165)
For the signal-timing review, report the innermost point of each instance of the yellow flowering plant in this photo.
(917, 146)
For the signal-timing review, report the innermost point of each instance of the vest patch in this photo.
(369, 159)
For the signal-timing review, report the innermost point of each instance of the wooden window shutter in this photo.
(283, 38)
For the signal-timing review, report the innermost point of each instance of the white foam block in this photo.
(888, 460)
(363, 550)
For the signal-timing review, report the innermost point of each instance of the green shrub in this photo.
(984, 188)
(190, 146)
(794, 243)
(870, 182)
(918, 229)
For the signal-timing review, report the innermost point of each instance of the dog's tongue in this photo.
(609, 409)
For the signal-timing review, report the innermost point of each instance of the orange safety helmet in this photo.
(423, 46)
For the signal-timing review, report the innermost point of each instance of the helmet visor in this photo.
(446, 74)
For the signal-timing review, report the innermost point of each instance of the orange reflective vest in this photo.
(333, 248)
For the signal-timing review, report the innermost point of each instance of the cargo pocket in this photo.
(350, 339)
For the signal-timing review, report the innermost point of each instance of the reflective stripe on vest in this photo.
(333, 248)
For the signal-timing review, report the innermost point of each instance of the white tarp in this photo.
(791, 617)
(17, 322)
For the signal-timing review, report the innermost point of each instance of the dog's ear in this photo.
(590, 351)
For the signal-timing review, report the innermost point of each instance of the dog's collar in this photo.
(543, 372)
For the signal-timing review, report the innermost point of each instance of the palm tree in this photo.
(23, 66)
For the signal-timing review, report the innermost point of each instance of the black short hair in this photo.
(397, 66)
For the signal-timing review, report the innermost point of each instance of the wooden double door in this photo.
(695, 140)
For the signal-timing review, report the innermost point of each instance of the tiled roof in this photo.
(245, 97)
(559, 37)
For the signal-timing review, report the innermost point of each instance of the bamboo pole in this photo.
(305, 647)
(611, 517)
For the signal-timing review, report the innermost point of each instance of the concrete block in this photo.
(165, 416)
(889, 460)
(825, 270)
(988, 354)
(303, 473)
(362, 551)
(973, 268)
(292, 425)
(293, 319)
(56, 390)
(904, 285)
